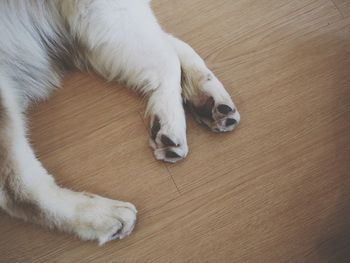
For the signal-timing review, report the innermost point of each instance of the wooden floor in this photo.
(275, 190)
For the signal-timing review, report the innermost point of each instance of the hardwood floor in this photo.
(277, 189)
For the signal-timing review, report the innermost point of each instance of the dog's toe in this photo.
(167, 145)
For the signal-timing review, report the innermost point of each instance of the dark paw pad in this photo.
(224, 109)
(205, 110)
(155, 127)
(230, 122)
(167, 141)
(171, 155)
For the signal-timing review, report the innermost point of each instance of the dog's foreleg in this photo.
(124, 42)
(28, 192)
(205, 95)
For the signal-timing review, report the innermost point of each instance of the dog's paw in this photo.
(219, 116)
(209, 102)
(103, 219)
(167, 145)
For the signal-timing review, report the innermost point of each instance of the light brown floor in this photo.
(275, 190)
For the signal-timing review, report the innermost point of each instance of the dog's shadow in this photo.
(330, 225)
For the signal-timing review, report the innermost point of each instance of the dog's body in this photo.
(121, 40)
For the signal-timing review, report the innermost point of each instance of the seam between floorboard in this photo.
(336, 7)
(166, 167)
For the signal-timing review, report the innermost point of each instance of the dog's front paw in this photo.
(219, 116)
(104, 219)
(167, 145)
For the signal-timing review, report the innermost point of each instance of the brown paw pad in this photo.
(205, 110)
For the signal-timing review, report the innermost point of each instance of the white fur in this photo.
(119, 39)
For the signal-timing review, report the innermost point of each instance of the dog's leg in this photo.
(204, 94)
(28, 192)
(124, 42)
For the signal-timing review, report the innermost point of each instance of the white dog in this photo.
(121, 40)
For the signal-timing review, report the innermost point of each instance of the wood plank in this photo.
(75, 106)
(343, 6)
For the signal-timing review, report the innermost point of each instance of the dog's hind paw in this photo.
(104, 219)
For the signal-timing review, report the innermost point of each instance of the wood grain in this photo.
(343, 6)
(274, 190)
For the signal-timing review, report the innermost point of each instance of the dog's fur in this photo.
(121, 40)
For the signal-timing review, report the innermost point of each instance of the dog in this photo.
(122, 41)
